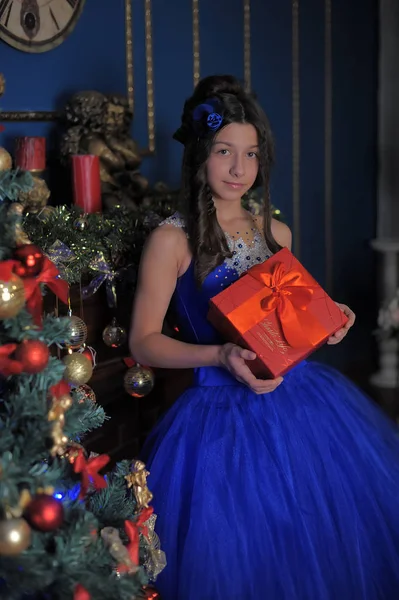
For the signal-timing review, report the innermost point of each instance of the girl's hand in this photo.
(233, 359)
(341, 333)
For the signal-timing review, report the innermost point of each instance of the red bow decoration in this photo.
(81, 593)
(133, 529)
(89, 471)
(129, 362)
(289, 293)
(9, 366)
(59, 389)
(7, 269)
(49, 275)
(151, 593)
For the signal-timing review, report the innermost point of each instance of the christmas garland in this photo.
(104, 248)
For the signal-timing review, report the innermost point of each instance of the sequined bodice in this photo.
(190, 305)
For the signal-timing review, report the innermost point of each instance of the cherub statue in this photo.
(137, 479)
(99, 124)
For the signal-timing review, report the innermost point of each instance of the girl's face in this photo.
(233, 164)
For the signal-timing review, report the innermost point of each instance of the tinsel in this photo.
(115, 239)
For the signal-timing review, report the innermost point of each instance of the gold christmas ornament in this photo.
(114, 335)
(36, 198)
(12, 297)
(85, 393)
(56, 416)
(78, 332)
(45, 213)
(5, 160)
(78, 369)
(20, 236)
(2, 84)
(154, 558)
(139, 381)
(81, 223)
(15, 535)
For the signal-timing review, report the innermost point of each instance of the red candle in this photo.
(86, 182)
(30, 153)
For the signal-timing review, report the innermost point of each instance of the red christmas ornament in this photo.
(81, 593)
(30, 259)
(33, 355)
(88, 354)
(45, 513)
(151, 593)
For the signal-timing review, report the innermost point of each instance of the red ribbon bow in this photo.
(7, 269)
(9, 366)
(133, 529)
(289, 293)
(89, 471)
(49, 275)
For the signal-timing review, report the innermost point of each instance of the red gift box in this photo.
(278, 311)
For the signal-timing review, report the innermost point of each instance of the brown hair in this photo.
(207, 240)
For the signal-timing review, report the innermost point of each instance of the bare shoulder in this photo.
(166, 247)
(282, 233)
(168, 240)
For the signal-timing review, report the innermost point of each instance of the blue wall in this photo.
(93, 57)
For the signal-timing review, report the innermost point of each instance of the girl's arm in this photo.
(165, 257)
(161, 263)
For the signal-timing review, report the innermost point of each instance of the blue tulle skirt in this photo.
(292, 495)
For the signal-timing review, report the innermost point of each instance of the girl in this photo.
(269, 490)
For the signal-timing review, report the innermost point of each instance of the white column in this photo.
(387, 375)
(388, 121)
(387, 242)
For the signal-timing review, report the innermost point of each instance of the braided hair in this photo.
(216, 102)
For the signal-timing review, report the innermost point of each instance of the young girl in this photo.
(270, 490)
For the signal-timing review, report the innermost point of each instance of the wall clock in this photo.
(38, 25)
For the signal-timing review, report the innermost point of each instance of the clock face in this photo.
(38, 25)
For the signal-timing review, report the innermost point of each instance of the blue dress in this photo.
(292, 495)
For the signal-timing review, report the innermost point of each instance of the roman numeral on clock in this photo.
(4, 4)
(72, 3)
(54, 19)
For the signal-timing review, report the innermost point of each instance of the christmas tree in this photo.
(67, 531)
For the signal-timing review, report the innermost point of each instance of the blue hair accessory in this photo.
(208, 115)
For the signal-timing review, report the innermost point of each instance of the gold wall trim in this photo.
(129, 53)
(196, 43)
(328, 183)
(149, 77)
(296, 140)
(247, 45)
(30, 115)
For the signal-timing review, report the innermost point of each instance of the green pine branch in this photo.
(13, 182)
(55, 562)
